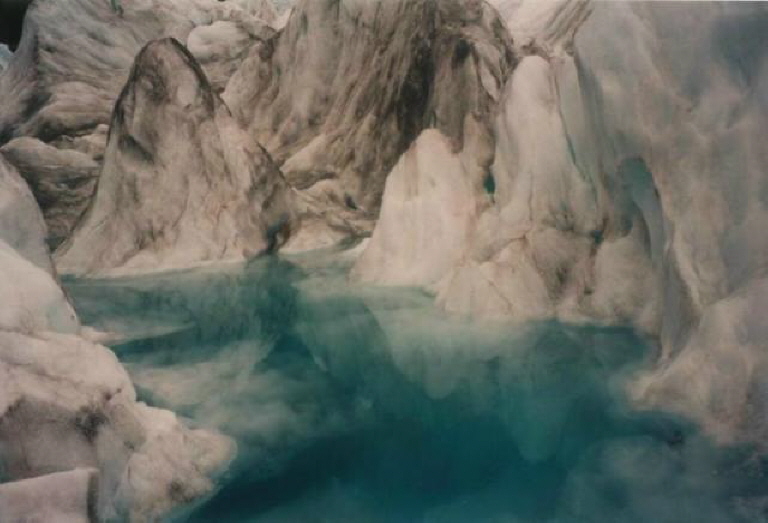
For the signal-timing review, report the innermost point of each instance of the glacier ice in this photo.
(221, 47)
(32, 300)
(684, 94)
(628, 182)
(66, 497)
(21, 223)
(181, 184)
(337, 126)
(48, 169)
(71, 64)
(425, 219)
(604, 164)
(5, 57)
(67, 404)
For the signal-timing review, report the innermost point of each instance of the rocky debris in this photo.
(182, 184)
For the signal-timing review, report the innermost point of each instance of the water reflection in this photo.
(356, 404)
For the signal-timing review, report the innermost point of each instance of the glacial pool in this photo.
(359, 404)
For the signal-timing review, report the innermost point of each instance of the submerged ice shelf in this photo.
(351, 403)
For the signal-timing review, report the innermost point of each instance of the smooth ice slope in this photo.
(428, 205)
(63, 497)
(21, 224)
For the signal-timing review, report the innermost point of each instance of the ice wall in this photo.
(684, 90)
(181, 182)
(677, 93)
(628, 186)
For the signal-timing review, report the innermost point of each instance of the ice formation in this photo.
(74, 58)
(585, 161)
(337, 117)
(181, 182)
(67, 404)
(628, 182)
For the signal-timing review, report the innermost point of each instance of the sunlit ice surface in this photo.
(361, 404)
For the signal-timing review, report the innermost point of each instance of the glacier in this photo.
(407, 260)
(627, 175)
